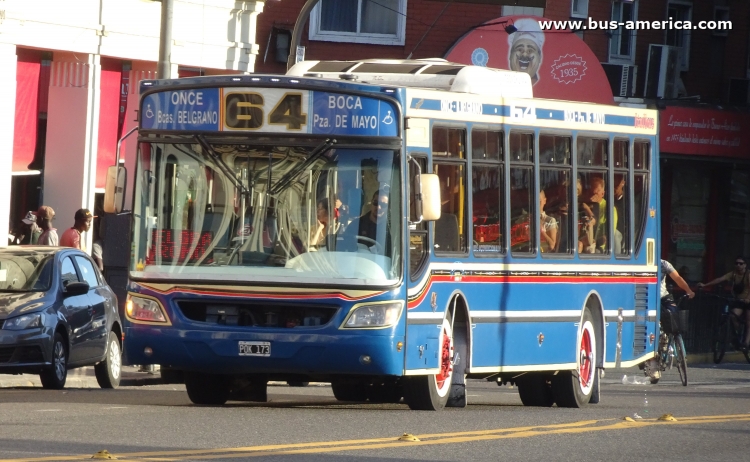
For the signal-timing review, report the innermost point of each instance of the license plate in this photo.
(255, 348)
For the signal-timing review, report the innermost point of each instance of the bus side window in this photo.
(487, 187)
(621, 205)
(593, 210)
(641, 159)
(418, 237)
(522, 227)
(449, 163)
(554, 194)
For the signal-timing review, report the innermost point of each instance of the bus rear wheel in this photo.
(574, 388)
(430, 392)
(207, 389)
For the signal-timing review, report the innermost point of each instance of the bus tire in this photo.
(431, 392)
(207, 389)
(535, 390)
(575, 388)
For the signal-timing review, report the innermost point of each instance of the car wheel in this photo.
(108, 372)
(54, 377)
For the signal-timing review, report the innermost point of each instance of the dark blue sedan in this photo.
(57, 313)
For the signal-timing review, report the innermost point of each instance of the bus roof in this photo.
(433, 73)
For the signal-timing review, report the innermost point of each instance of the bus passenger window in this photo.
(641, 159)
(487, 191)
(554, 194)
(449, 163)
(593, 212)
(621, 205)
(522, 227)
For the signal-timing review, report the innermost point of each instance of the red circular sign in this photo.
(560, 64)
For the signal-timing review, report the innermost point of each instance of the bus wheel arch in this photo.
(432, 392)
(579, 387)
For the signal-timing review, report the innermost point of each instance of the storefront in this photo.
(705, 196)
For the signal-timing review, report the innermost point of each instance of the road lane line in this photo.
(391, 442)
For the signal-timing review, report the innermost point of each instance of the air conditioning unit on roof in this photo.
(662, 72)
(621, 78)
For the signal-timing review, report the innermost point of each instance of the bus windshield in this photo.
(233, 213)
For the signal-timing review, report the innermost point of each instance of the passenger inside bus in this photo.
(547, 227)
(586, 222)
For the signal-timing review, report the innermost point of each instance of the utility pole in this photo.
(297, 32)
(164, 71)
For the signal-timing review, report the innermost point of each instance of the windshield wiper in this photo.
(292, 174)
(220, 162)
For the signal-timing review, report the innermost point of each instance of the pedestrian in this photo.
(45, 216)
(31, 231)
(72, 236)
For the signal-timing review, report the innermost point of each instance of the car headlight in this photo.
(26, 321)
(144, 309)
(374, 315)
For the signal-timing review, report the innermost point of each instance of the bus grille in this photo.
(257, 314)
(640, 336)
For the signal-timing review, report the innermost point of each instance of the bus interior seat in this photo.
(446, 233)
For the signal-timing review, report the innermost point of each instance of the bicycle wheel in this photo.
(681, 358)
(721, 337)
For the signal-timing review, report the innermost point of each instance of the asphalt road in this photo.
(158, 422)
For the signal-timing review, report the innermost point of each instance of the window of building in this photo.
(449, 163)
(522, 208)
(622, 40)
(508, 10)
(680, 10)
(555, 172)
(591, 187)
(359, 21)
(579, 8)
(487, 191)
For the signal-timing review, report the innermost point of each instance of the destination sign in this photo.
(181, 110)
(269, 110)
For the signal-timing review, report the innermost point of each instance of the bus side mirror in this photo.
(430, 196)
(114, 189)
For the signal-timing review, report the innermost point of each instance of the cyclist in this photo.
(668, 306)
(740, 279)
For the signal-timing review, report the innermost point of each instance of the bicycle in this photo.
(671, 347)
(728, 331)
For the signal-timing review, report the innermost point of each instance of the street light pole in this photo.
(304, 14)
(164, 70)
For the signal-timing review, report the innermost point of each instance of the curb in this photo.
(83, 378)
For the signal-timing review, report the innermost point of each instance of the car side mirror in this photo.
(76, 288)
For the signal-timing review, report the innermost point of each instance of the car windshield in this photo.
(311, 214)
(25, 270)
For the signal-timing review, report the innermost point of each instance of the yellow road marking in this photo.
(392, 442)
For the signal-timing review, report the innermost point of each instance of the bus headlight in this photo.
(144, 309)
(374, 315)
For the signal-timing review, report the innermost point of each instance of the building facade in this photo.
(69, 80)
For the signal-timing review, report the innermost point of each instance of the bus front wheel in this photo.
(574, 388)
(207, 389)
(430, 392)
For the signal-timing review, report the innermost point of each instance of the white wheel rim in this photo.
(114, 359)
(59, 361)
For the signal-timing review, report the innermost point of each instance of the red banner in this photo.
(704, 132)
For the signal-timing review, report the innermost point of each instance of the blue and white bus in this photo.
(393, 228)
